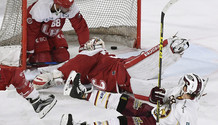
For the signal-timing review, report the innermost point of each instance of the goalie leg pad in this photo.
(145, 66)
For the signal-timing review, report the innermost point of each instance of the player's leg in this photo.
(59, 48)
(67, 119)
(5, 77)
(42, 50)
(145, 65)
(122, 103)
(26, 89)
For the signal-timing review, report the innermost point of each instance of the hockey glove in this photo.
(178, 45)
(93, 44)
(157, 94)
(45, 78)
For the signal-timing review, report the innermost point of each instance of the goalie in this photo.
(106, 72)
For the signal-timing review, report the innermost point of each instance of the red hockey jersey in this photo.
(98, 67)
(41, 20)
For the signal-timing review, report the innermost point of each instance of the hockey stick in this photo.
(43, 63)
(166, 7)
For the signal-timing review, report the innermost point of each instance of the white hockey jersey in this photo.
(41, 11)
(183, 112)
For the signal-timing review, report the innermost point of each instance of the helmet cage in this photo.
(193, 84)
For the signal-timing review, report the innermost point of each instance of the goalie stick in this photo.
(166, 7)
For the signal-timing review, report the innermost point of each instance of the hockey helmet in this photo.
(64, 3)
(193, 83)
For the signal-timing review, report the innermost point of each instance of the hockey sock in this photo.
(33, 95)
(105, 99)
(24, 89)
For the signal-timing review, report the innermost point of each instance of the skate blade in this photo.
(46, 110)
(64, 119)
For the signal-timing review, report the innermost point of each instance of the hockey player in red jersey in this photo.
(108, 73)
(46, 42)
(179, 105)
(25, 88)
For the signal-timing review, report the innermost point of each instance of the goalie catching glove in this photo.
(93, 44)
(178, 45)
(47, 79)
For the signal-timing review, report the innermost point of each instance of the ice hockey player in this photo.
(46, 42)
(179, 105)
(25, 88)
(108, 73)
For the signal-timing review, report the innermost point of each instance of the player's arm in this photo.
(80, 26)
(33, 30)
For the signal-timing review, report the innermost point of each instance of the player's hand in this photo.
(93, 44)
(157, 94)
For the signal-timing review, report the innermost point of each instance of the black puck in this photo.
(113, 47)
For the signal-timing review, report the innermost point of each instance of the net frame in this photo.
(23, 35)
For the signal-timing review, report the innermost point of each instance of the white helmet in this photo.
(193, 83)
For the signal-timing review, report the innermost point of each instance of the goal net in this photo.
(112, 20)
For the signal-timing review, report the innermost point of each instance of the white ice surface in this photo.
(193, 19)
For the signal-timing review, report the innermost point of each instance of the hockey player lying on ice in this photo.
(108, 73)
(179, 105)
(25, 88)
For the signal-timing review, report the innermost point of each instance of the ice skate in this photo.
(178, 45)
(67, 119)
(77, 90)
(43, 106)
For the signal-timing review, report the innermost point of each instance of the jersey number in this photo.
(54, 30)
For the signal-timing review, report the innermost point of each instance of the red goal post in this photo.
(111, 20)
(13, 35)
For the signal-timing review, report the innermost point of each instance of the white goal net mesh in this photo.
(111, 20)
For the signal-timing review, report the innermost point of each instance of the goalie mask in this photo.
(193, 84)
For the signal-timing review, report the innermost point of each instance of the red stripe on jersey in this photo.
(144, 55)
(141, 97)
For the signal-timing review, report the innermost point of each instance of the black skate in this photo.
(67, 119)
(178, 45)
(43, 106)
(77, 90)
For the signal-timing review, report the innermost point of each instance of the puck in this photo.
(113, 47)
